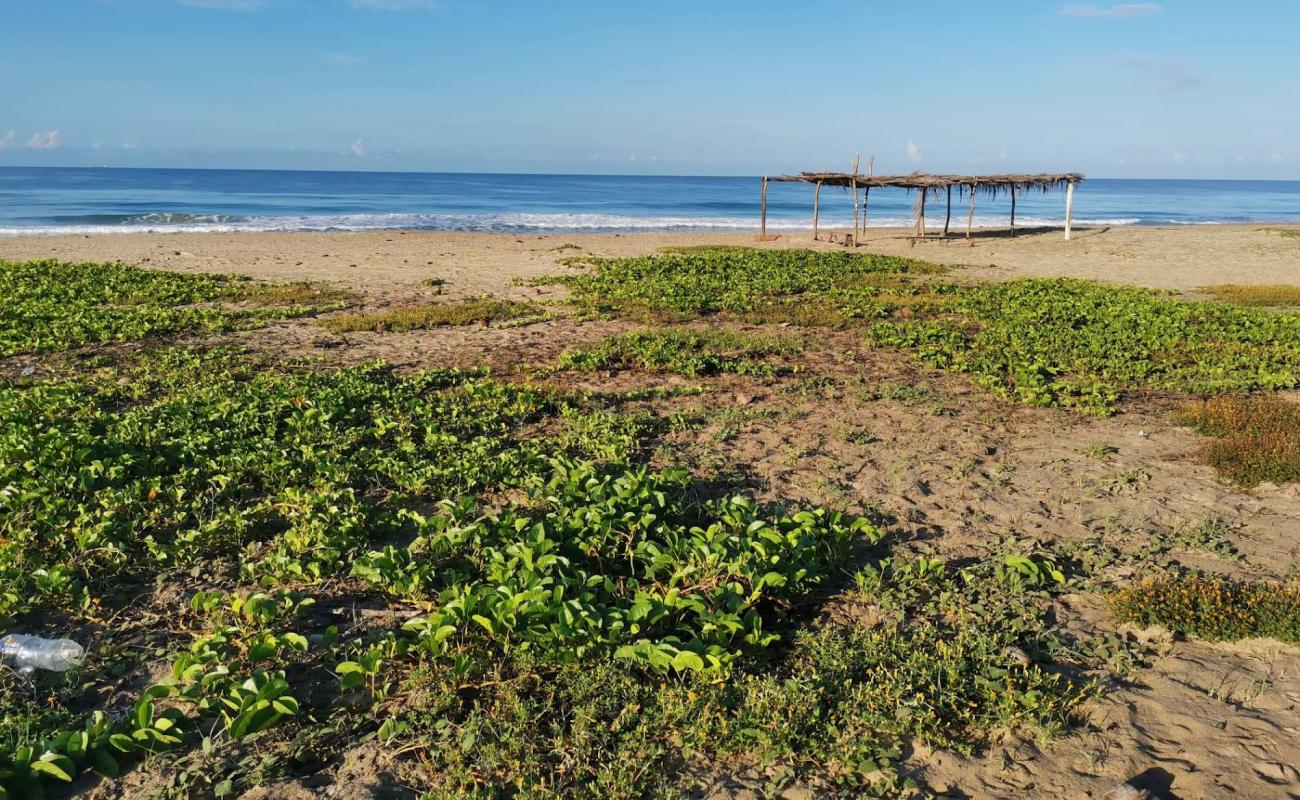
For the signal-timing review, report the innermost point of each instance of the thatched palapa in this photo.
(969, 186)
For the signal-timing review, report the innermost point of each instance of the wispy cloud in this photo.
(1161, 74)
(914, 152)
(358, 148)
(393, 5)
(44, 140)
(9, 139)
(1115, 11)
(343, 58)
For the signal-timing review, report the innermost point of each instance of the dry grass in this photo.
(422, 317)
(1256, 438)
(295, 294)
(1275, 295)
(1285, 233)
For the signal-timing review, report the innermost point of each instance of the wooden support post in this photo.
(970, 217)
(1069, 208)
(854, 188)
(763, 224)
(920, 214)
(866, 195)
(817, 203)
(857, 158)
(862, 223)
(1013, 210)
(948, 219)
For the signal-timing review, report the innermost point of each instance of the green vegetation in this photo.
(51, 305)
(270, 480)
(1256, 438)
(1268, 296)
(483, 311)
(1213, 607)
(308, 470)
(505, 588)
(686, 351)
(945, 665)
(798, 286)
(1208, 535)
(581, 625)
(552, 616)
(1055, 342)
(1080, 344)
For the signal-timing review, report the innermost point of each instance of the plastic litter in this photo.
(28, 653)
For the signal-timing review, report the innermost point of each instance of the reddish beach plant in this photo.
(1256, 438)
(1214, 608)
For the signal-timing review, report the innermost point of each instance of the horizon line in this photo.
(753, 176)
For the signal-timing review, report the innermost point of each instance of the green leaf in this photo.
(55, 765)
(105, 764)
(285, 705)
(685, 660)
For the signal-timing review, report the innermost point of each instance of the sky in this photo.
(1175, 89)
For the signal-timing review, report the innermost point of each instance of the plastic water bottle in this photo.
(27, 653)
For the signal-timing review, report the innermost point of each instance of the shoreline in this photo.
(779, 227)
(1180, 257)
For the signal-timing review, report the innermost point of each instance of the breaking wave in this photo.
(170, 222)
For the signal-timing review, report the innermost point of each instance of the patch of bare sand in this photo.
(1206, 721)
(390, 264)
(506, 350)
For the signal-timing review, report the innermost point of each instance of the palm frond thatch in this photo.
(989, 185)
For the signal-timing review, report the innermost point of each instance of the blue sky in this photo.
(1181, 88)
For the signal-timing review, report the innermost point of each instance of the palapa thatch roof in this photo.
(969, 186)
(991, 185)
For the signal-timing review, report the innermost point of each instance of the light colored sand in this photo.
(476, 263)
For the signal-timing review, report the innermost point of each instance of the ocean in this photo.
(52, 200)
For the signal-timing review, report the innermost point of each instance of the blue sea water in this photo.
(51, 200)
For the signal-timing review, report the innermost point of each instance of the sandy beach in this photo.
(386, 264)
(951, 466)
(431, 400)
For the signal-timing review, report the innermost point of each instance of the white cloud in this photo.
(393, 5)
(358, 148)
(1116, 11)
(914, 152)
(343, 58)
(128, 146)
(9, 140)
(46, 140)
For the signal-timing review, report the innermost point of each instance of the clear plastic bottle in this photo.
(27, 653)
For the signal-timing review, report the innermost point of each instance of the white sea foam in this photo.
(513, 223)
